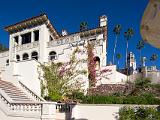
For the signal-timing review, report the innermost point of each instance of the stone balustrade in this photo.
(44, 110)
(27, 46)
(63, 107)
(26, 107)
(37, 98)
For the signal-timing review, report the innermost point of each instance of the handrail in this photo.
(31, 92)
(25, 109)
(21, 106)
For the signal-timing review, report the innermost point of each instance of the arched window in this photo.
(97, 61)
(52, 55)
(34, 55)
(18, 57)
(25, 56)
(7, 62)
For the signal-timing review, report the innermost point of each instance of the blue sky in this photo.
(67, 14)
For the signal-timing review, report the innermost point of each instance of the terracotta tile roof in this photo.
(31, 22)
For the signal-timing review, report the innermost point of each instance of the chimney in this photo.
(103, 21)
(64, 33)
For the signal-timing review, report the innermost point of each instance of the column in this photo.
(20, 40)
(48, 111)
(32, 37)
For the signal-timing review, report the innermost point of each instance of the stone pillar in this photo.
(49, 111)
(32, 36)
(20, 40)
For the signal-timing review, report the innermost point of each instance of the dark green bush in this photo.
(144, 99)
(139, 113)
(142, 82)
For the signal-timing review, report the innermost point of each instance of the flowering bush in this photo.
(139, 113)
(60, 78)
(91, 65)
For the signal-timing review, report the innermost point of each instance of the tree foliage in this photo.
(61, 78)
(139, 113)
(91, 65)
(3, 48)
(154, 57)
(83, 26)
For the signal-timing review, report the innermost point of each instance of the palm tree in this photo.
(83, 26)
(153, 58)
(128, 35)
(116, 30)
(118, 56)
(139, 47)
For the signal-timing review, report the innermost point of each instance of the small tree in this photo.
(61, 78)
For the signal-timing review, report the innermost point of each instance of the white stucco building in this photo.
(35, 41)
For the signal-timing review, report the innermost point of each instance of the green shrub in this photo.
(142, 82)
(76, 95)
(144, 99)
(139, 113)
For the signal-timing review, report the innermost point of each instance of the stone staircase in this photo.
(16, 103)
(14, 92)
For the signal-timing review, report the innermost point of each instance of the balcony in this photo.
(27, 46)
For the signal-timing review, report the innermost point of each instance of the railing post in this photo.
(49, 111)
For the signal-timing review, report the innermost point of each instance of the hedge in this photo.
(146, 99)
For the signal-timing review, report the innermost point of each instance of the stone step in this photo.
(14, 92)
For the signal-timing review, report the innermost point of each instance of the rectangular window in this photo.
(16, 39)
(36, 35)
(26, 38)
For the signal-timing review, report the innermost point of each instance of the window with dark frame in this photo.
(16, 39)
(34, 55)
(26, 38)
(25, 56)
(52, 55)
(18, 57)
(36, 35)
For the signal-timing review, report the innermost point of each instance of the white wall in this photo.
(95, 112)
(99, 112)
(3, 116)
(28, 75)
(112, 77)
(26, 72)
